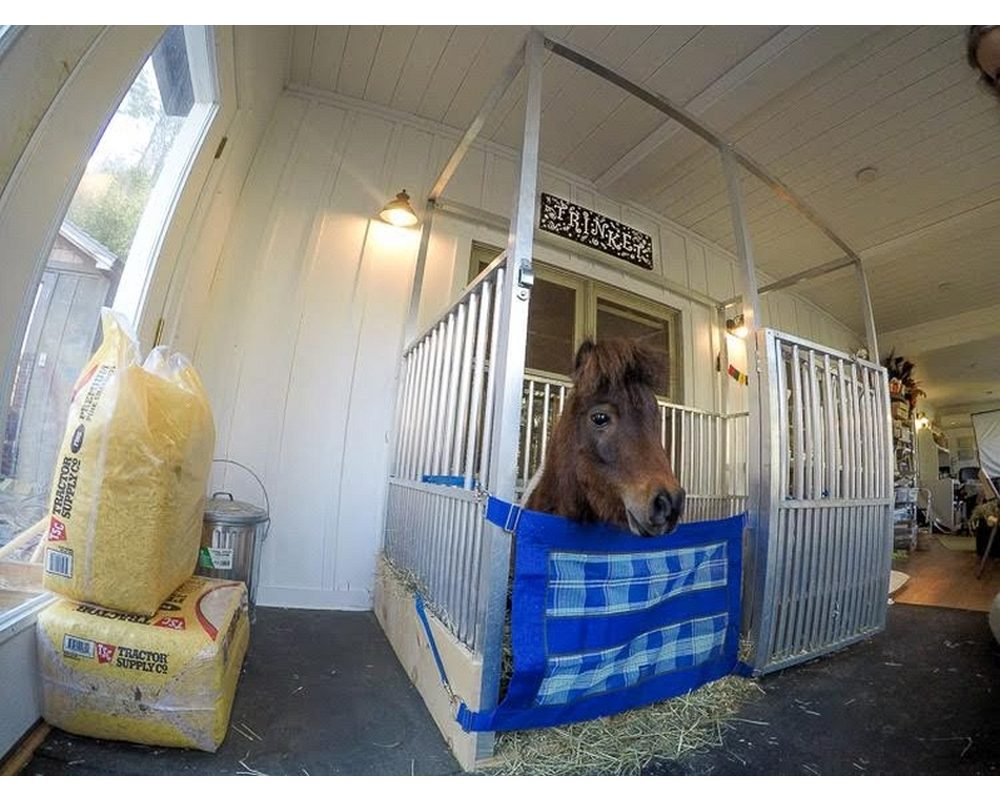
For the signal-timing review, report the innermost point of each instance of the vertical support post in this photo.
(746, 277)
(724, 409)
(867, 312)
(418, 274)
(758, 452)
(508, 353)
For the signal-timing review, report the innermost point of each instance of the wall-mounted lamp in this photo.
(737, 327)
(921, 421)
(399, 212)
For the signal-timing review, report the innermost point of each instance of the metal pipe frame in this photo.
(661, 103)
(508, 356)
(501, 420)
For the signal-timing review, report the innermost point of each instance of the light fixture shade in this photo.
(399, 211)
(737, 327)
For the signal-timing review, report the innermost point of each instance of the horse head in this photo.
(604, 462)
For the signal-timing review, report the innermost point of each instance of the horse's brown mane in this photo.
(614, 362)
(612, 368)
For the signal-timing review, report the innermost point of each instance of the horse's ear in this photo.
(586, 348)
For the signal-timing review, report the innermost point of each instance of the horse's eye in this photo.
(600, 419)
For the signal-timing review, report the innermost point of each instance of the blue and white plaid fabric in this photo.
(603, 621)
(667, 649)
(612, 583)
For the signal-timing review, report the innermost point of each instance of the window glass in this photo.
(616, 320)
(551, 328)
(557, 321)
(106, 241)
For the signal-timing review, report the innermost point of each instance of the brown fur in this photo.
(610, 472)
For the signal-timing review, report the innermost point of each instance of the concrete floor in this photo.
(326, 696)
(922, 698)
(323, 691)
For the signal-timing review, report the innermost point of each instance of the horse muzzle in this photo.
(661, 515)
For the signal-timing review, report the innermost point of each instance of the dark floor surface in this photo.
(323, 691)
(922, 698)
(326, 696)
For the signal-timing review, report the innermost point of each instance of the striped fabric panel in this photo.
(674, 647)
(582, 584)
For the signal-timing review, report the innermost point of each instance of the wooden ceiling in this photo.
(814, 105)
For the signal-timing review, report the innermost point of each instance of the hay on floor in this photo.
(625, 743)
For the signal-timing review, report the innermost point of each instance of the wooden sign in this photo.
(582, 225)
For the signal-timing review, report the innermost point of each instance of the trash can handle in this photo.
(267, 502)
(222, 494)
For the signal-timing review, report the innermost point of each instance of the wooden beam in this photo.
(21, 754)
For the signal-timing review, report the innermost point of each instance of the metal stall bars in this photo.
(764, 562)
(829, 503)
(707, 449)
(434, 526)
(462, 379)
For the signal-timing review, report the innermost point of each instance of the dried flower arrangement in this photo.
(901, 382)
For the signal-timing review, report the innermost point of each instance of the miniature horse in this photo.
(604, 461)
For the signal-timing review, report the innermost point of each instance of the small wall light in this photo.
(399, 211)
(737, 327)
(921, 421)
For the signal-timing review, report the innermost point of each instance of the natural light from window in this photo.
(103, 255)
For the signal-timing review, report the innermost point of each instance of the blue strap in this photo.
(503, 514)
(422, 615)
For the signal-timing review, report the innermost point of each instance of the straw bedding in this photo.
(622, 744)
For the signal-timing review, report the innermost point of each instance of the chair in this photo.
(991, 493)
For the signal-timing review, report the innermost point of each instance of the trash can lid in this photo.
(221, 507)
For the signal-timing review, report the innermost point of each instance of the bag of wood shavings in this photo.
(167, 679)
(128, 492)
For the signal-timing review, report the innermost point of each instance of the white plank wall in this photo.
(303, 321)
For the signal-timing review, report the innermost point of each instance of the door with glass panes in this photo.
(565, 309)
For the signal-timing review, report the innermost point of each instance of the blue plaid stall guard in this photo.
(603, 621)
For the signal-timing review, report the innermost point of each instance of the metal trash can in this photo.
(231, 540)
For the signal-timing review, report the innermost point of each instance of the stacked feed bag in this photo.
(165, 679)
(129, 486)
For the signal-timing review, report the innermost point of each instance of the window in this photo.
(565, 308)
(103, 255)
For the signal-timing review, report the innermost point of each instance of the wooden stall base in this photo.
(19, 756)
(396, 612)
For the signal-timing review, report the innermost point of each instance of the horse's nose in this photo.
(666, 507)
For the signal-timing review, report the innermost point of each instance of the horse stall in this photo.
(807, 457)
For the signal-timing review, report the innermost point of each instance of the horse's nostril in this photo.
(660, 508)
(678, 500)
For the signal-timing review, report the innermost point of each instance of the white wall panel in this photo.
(697, 274)
(220, 346)
(300, 349)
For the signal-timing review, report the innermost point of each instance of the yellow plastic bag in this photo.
(166, 680)
(128, 492)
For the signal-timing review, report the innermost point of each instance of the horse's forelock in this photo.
(614, 363)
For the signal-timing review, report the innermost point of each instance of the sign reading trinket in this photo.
(582, 225)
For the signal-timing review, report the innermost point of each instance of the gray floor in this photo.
(326, 695)
(922, 698)
(323, 691)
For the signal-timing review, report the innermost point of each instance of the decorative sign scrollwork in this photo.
(582, 225)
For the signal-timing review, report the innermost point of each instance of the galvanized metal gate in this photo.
(810, 461)
(449, 402)
(820, 560)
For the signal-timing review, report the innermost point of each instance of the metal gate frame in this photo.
(821, 550)
(510, 326)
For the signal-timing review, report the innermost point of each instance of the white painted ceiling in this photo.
(811, 104)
